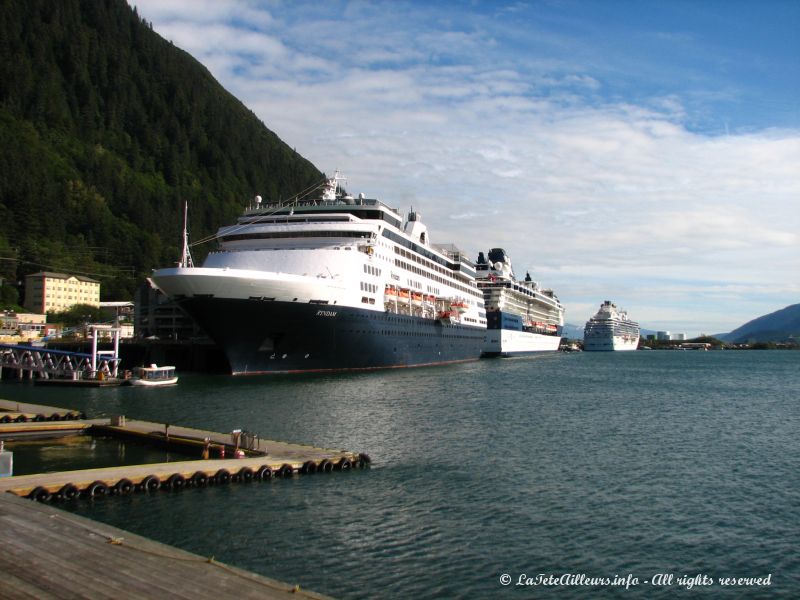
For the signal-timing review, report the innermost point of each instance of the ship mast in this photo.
(186, 256)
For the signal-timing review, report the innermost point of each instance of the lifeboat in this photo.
(404, 295)
(416, 298)
(430, 299)
(459, 305)
(446, 316)
(390, 291)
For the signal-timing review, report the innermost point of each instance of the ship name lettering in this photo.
(326, 313)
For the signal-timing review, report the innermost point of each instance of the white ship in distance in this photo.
(610, 330)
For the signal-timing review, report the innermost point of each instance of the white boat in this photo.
(153, 376)
(522, 317)
(610, 330)
(330, 282)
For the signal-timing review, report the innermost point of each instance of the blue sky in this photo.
(642, 152)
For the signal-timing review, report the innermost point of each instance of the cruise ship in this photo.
(610, 329)
(522, 318)
(330, 282)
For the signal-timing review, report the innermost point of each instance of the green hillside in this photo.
(105, 129)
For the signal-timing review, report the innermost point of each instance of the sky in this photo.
(644, 152)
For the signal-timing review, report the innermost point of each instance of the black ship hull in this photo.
(260, 337)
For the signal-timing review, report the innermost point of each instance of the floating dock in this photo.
(221, 458)
(50, 553)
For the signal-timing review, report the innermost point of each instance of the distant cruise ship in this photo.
(610, 330)
(331, 282)
(521, 317)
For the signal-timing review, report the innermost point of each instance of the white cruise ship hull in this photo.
(610, 344)
(509, 343)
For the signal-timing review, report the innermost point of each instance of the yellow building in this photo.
(47, 292)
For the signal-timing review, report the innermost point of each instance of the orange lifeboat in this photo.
(459, 305)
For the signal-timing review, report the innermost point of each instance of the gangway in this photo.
(61, 364)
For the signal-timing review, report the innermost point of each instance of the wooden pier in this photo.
(222, 458)
(50, 553)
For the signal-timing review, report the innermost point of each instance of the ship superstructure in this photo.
(522, 317)
(331, 282)
(610, 329)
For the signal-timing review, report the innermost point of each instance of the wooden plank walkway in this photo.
(49, 554)
(280, 457)
(10, 410)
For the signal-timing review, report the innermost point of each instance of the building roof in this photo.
(62, 276)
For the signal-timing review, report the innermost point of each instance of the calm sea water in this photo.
(633, 466)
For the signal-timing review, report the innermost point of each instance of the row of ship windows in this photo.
(403, 333)
(413, 256)
(418, 271)
(369, 287)
(370, 270)
(296, 234)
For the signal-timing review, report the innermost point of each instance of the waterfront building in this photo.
(53, 292)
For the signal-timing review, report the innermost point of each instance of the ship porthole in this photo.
(307, 355)
(284, 356)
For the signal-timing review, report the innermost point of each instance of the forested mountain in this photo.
(779, 326)
(105, 129)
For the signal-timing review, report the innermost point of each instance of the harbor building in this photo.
(47, 292)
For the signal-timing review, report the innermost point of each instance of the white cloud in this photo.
(598, 194)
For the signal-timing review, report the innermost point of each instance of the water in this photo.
(629, 465)
(85, 452)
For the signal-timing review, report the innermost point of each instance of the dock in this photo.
(50, 553)
(222, 458)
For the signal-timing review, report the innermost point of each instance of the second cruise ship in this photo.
(522, 317)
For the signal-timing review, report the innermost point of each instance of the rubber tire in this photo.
(175, 482)
(199, 479)
(246, 474)
(68, 491)
(264, 473)
(123, 487)
(325, 466)
(286, 471)
(97, 489)
(150, 483)
(309, 467)
(222, 477)
(40, 494)
(344, 465)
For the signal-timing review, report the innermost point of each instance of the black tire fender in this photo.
(222, 476)
(40, 494)
(68, 491)
(150, 483)
(175, 482)
(96, 489)
(123, 487)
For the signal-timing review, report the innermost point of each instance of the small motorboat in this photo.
(153, 376)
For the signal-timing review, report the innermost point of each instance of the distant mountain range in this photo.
(779, 326)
